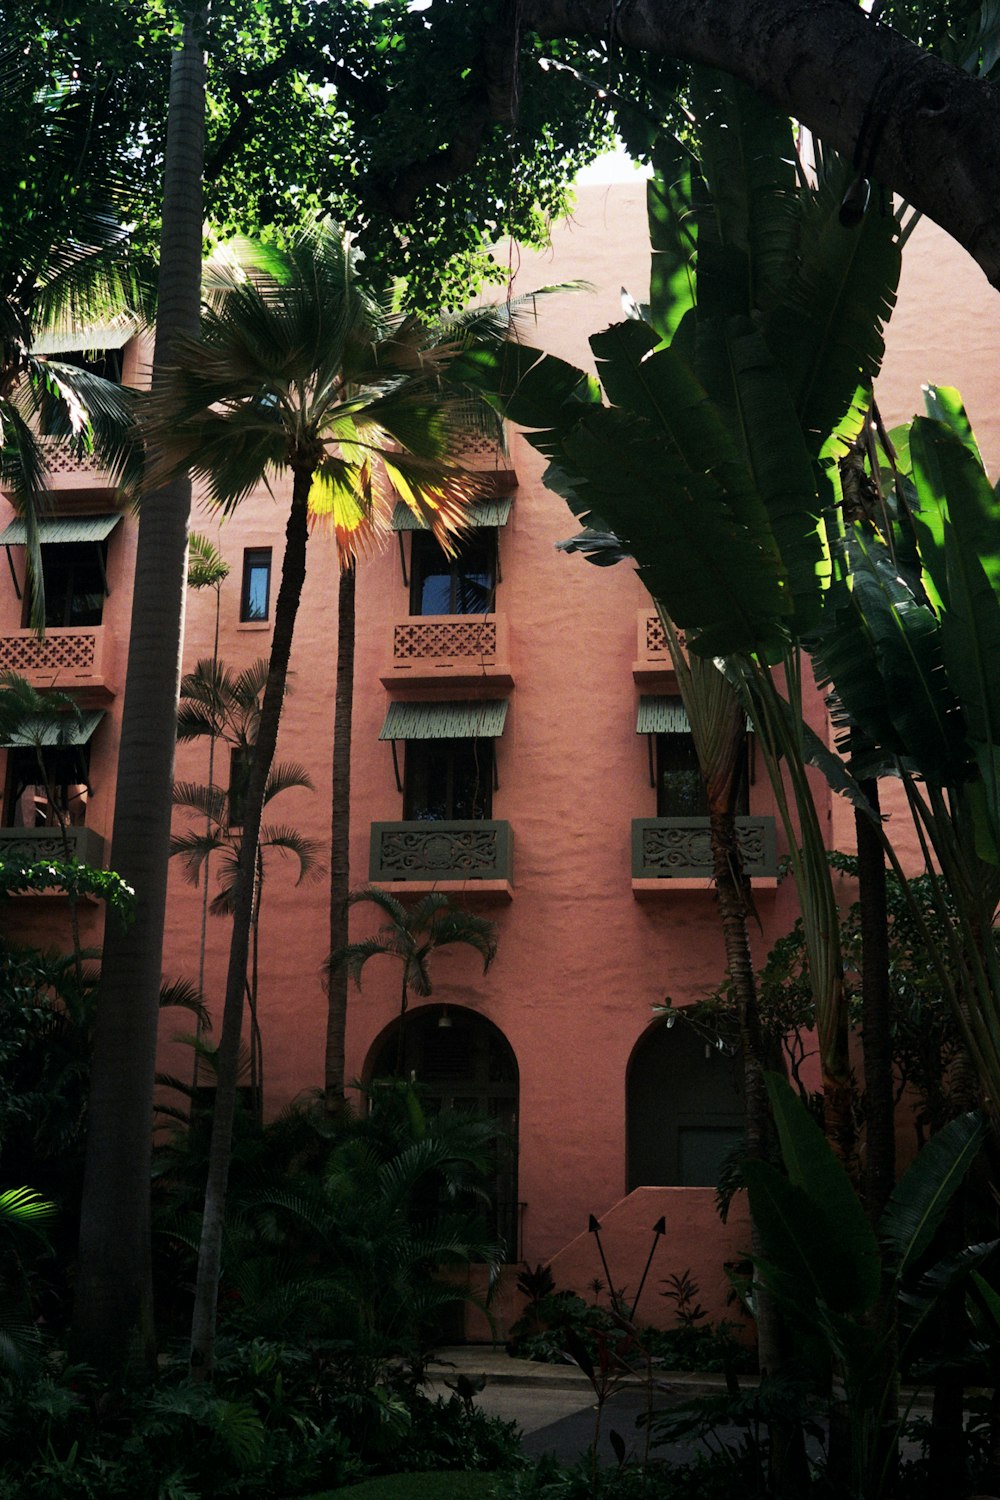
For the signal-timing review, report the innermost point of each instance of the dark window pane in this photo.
(680, 790)
(35, 792)
(255, 602)
(461, 585)
(448, 780)
(73, 577)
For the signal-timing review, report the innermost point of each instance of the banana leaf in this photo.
(918, 1204)
(673, 234)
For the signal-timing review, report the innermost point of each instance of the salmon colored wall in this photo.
(581, 960)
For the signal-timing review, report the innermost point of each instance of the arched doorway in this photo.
(684, 1108)
(463, 1062)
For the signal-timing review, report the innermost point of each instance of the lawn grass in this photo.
(418, 1487)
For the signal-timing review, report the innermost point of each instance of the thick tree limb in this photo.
(929, 131)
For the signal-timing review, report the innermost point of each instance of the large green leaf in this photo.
(826, 327)
(803, 1262)
(812, 1167)
(944, 404)
(748, 232)
(711, 573)
(887, 666)
(782, 471)
(958, 527)
(917, 1206)
(672, 234)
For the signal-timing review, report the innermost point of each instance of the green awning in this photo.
(90, 340)
(44, 729)
(482, 513)
(482, 719)
(661, 716)
(63, 529)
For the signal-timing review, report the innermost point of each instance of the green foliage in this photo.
(19, 875)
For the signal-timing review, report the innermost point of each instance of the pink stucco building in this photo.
(531, 758)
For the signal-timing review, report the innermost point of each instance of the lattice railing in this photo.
(60, 650)
(665, 847)
(35, 844)
(61, 460)
(441, 851)
(655, 637)
(465, 636)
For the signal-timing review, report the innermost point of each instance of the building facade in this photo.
(518, 742)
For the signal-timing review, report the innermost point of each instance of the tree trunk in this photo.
(924, 128)
(206, 866)
(340, 840)
(113, 1313)
(293, 572)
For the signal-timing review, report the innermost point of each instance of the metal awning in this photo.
(480, 513)
(661, 715)
(63, 529)
(45, 729)
(482, 719)
(96, 336)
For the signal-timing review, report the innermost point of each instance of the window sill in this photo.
(254, 625)
(671, 884)
(495, 890)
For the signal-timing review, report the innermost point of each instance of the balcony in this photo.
(676, 853)
(461, 650)
(34, 844)
(67, 474)
(72, 658)
(473, 858)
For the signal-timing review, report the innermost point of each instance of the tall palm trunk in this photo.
(113, 1315)
(340, 839)
(203, 932)
(293, 572)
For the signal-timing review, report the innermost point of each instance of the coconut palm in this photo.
(411, 935)
(297, 371)
(113, 1312)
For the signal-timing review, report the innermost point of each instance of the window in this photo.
(38, 794)
(460, 585)
(73, 574)
(255, 599)
(448, 780)
(680, 790)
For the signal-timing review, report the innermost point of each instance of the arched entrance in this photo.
(684, 1108)
(463, 1062)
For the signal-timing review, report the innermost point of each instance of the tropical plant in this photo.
(297, 371)
(207, 569)
(64, 267)
(411, 934)
(828, 1266)
(715, 463)
(219, 704)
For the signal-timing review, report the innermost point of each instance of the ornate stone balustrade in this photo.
(66, 472)
(671, 848)
(652, 660)
(453, 648)
(461, 851)
(36, 844)
(68, 658)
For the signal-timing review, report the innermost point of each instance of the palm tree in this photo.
(297, 371)
(64, 265)
(207, 569)
(220, 705)
(411, 935)
(113, 1310)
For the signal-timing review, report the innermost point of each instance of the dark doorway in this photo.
(684, 1108)
(463, 1062)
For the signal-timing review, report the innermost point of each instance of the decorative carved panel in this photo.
(656, 639)
(60, 459)
(665, 847)
(417, 639)
(36, 844)
(440, 851)
(25, 653)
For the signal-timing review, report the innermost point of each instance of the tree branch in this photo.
(824, 62)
